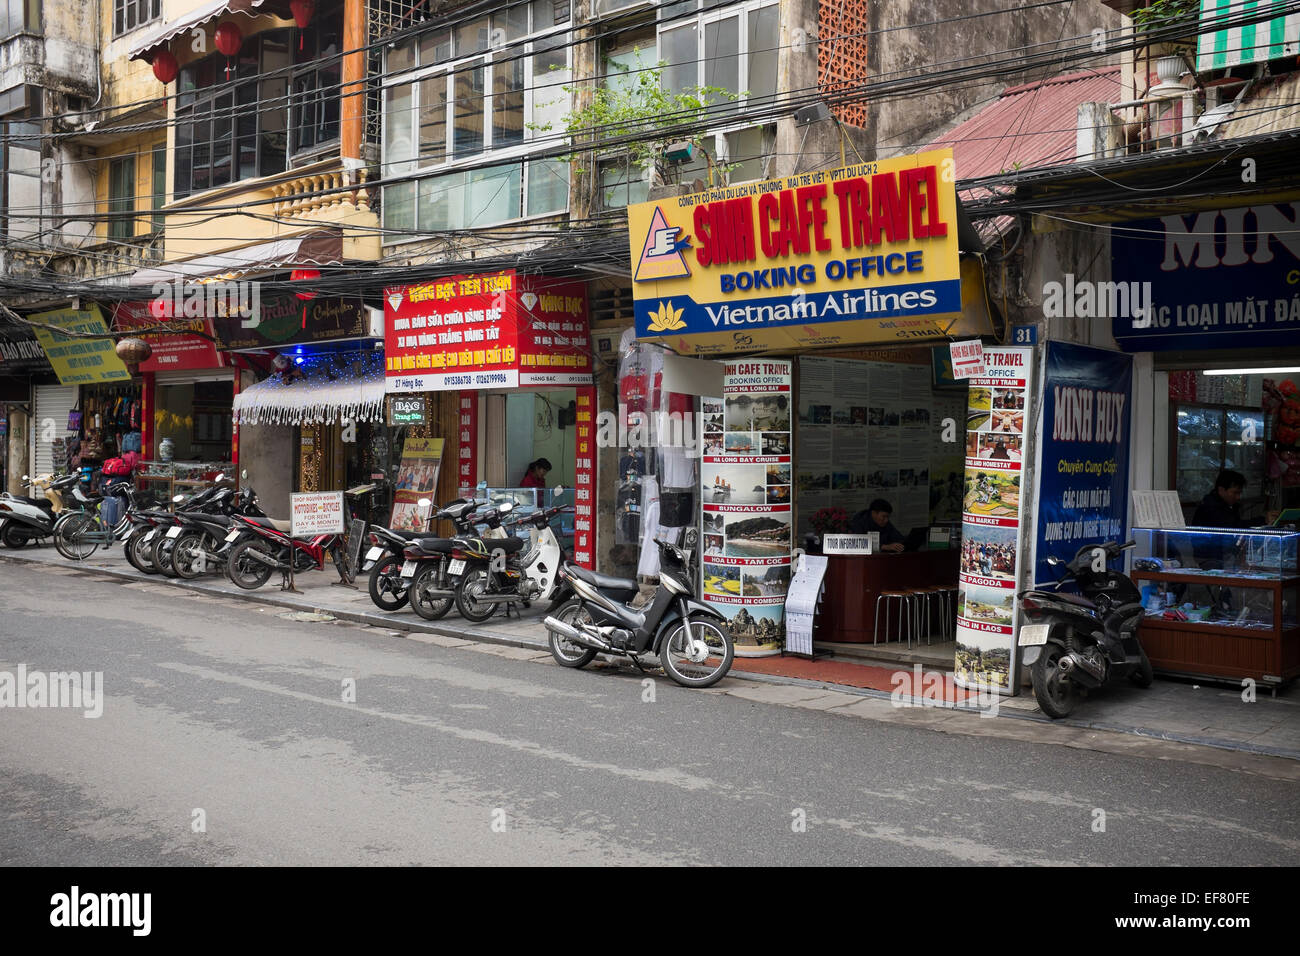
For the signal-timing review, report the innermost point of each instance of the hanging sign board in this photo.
(407, 410)
(967, 359)
(316, 512)
(79, 360)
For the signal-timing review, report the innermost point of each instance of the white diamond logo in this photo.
(395, 300)
(529, 299)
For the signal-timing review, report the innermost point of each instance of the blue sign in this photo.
(1083, 471)
(1219, 279)
(1024, 335)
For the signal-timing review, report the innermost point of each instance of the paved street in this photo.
(460, 752)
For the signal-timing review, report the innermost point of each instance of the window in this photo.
(254, 123)
(159, 186)
(121, 198)
(19, 15)
(490, 87)
(20, 184)
(129, 14)
(732, 47)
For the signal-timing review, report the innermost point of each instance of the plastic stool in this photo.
(906, 610)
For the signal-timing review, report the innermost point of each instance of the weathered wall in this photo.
(267, 453)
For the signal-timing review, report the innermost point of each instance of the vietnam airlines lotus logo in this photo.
(667, 319)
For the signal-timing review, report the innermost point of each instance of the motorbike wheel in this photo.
(70, 540)
(690, 665)
(472, 584)
(567, 654)
(187, 561)
(14, 535)
(429, 608)
(163, 550)
(387, 589)
(1144, 675)
(246, 571)
(1055, 692)
(135, 551)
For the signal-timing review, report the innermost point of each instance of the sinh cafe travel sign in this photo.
(866, 253)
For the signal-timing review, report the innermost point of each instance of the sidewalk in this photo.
(1171, 710)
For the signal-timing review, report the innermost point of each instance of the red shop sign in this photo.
(171, 351)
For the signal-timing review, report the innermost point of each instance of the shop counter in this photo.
(854, 581)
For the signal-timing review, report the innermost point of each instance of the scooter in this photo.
(24, 520)
(388, 589)
(689, 637)
(434, 565)
(1078, 643)
(495, 577)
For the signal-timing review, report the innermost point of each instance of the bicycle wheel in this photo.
(74, 537)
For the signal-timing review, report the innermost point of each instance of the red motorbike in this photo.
(266, 546)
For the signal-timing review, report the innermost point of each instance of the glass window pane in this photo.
(679, 50)
(435, 48)
(722, 59)
(433, 119)
(272, 121)
(399, 144)
(763, 39)
(493, 194)
(473, 37)
(441, 202)
(402, 57)
(507, 103)
(622, 185)
(330, 81)
(399, 207)
(549, 13)
(513, 24)
(745, 151)
(548, 186)
(550, 98)
(468, 130)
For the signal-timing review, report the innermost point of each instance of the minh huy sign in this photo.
(866, 253)
(499, 330)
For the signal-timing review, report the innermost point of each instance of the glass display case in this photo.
(1209, 438)
(528, 500)
(1220, 602)
(164, 479)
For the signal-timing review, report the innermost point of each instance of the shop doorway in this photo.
(541, 425)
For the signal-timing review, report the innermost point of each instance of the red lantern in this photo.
(303, 11)
(229, 39)
(165, 66)
(298, 275)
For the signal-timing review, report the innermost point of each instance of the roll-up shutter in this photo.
(50, 407)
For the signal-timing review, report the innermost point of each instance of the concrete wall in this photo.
(267, 453)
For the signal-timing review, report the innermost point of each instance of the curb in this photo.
(422, 627)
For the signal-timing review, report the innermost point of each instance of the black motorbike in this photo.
(1076, 643)
(389, 590)
(689, 637)
(199, 534)
(434, 566)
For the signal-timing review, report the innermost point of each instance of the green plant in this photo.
(1168, 15)
(631, 117)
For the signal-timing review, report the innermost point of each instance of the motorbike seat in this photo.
(44, 503)
(604, 582)
(434, 545)
(457, 509)
(508, 545)
(273, 523)
(407, 535)
(1069, 598)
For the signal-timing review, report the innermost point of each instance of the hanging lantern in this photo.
(229, 41)
(299, 275)
(303, 11)
(165, 66)
(132, 352)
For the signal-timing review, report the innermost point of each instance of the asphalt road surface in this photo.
(227, 737)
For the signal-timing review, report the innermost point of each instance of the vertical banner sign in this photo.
(417, 477)
(1083, 461)
(745, 499)
(466, 455)
(997, 409)
(584, 476)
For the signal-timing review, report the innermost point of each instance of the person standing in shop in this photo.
(535, 477)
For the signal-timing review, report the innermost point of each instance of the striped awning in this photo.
(1256, 42)
(164, 33)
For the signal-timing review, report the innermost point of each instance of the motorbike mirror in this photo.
(1053, 560)
(178, 498)
(559, 490)
(220, 478)
(424, 502)
(506, 507)
(243, 475)
(27, 478)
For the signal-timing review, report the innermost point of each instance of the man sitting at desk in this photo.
(876, 518)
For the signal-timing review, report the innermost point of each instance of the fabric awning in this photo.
(315, 399)
(315, 249)
(208, 11)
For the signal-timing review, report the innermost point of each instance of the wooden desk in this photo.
(854, 581)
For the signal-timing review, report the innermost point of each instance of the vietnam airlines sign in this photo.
(867, 253)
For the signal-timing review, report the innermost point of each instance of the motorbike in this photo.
(262, 545)
(497, 574)
(433, 567)
(1077, 643)
(154, 550)
(388, 589)
(24, 520)
(199, 534)
(689, 637)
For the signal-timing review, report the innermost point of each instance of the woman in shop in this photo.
(535, 476)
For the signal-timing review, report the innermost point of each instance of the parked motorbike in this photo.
(689, 637)
(267, 546)
(1078, 643)
(24, 520)
(156, 547)
(498, 574)
(434, 565)
(200, 534)
(388, 589)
